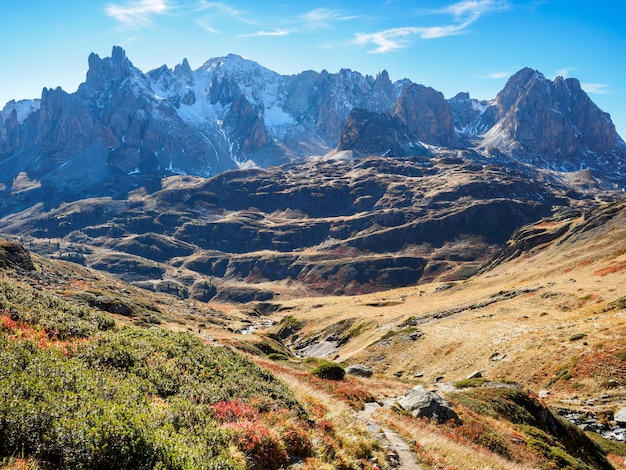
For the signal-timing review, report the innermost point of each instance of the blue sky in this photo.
(468, 45)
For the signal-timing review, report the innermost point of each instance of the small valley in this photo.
(229, 268)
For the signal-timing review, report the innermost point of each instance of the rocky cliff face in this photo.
(370, 133)
(471, 117)
(426, 114)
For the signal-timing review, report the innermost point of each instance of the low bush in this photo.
(469, 383)
(277, 357)
(261, 445)
(577, 336)
(329, 370)
(78, 392)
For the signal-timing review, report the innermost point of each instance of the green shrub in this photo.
(494, 442)
(469, 383)
(119, 398)
(277, 357)
(329, 370)
(59, 318)
(577, 336)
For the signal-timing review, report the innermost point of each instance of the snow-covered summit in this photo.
(22, 109)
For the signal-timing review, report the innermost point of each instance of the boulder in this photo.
(620, 416)
(13, 255)
(422, 403)
(359, 370)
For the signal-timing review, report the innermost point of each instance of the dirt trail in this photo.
(399, 455)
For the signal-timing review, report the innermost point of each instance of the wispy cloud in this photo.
(276, 32)
(497, 75)
(321, 18)
(397, 38)
(208, 28)
(464, 13)
(224, 10)
(473, 9)
(217, 13)
(596, 88)
(219, 8)
(137, 14)
(564, 72)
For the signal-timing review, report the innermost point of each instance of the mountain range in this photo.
(236, 182)
(124, 129)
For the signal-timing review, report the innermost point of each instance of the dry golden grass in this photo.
(355, 441)
(546, 320)
(526, 338)
(438, 449)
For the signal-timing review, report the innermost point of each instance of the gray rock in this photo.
(620, 416)
(497, 356)
(359, 370)
(475, 375)
(422, 403)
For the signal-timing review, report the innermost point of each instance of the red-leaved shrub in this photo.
(235, 410)
(259, 444)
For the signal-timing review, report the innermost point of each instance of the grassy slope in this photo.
(550, 319)
(554, 308)
(78, 390)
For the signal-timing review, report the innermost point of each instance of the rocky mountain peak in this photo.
(551, 123)
(383, 95)
(183, 71)
(426, 114)
(109, 71)
(516, 86)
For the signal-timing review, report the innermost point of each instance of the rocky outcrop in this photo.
(14, 256)
(359, 370)
(368, 133)
(426, 114)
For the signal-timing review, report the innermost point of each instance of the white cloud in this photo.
(472, 9)
(388, 40)
(219, 8)
(276, 32)
(396, 38)
(207, 27)
(323, 18)
(217, 13)
(137, 14)
(596, 88)
(465, 13)
(564, 72)
(498, 75)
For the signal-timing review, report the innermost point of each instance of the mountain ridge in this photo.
(133, 128)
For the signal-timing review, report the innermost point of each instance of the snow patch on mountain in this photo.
(22, 108)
